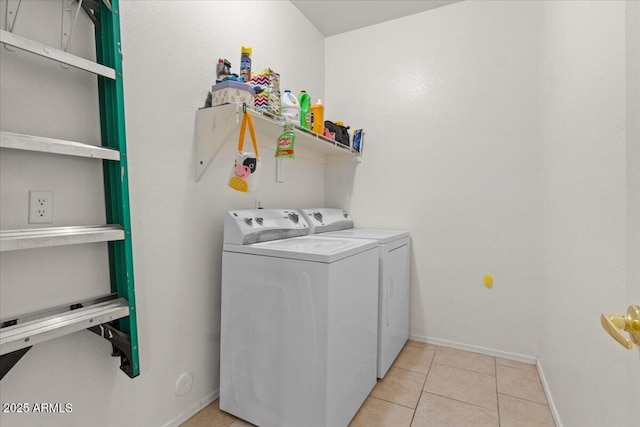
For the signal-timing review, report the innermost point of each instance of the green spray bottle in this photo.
(286, 142)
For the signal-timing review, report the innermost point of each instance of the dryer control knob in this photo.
(248, 221)
(346, 215)
(293, 217)
(318, 216)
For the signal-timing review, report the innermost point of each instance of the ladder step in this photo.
(27, 317)
(56, 146)
(36, 331)
(13, 240)
(57, 55)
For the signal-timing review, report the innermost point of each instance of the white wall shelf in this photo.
(55, 146)
(215, 125)
(13, 240)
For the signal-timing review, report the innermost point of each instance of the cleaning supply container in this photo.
(286, 142)
(317, 113)
(290, 107)
(305, 109)
(245, 63)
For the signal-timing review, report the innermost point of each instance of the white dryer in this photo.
(299, 322)
(394, 277)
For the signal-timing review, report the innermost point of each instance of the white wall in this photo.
(170, 51)
(449, 101)
(587, 179)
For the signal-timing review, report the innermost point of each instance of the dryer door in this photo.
(393, 326)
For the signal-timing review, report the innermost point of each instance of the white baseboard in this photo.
(197, 407)
(547, 392)
(475, 349)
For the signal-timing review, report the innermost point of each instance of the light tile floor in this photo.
(434, 386)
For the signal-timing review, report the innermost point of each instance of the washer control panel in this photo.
(260, 225)
(322, 220)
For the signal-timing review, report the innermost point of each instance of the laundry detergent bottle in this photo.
(317, 113)
(290, 107)
(305, 109)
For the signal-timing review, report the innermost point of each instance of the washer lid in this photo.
(307, 248)
(382, 236)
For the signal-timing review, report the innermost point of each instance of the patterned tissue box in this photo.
(231, 92)
(268, 99)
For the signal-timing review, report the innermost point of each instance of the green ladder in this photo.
(112, 316)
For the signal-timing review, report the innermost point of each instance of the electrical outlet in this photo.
(40, 207)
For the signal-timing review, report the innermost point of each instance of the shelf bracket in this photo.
(120, 342)
(67, 24)
(8, 361)
(12, 8)
(213, 128)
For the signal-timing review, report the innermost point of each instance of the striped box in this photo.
(267, 86)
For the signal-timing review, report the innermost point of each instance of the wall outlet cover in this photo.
(40, 207)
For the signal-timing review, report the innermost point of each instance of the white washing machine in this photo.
(299, 322)
(394, 277)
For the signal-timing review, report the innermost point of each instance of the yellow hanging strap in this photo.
(246, 117)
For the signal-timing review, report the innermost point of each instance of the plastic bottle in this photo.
(317, 111)
(286, 142)
(245, 63)
(305, 109)
(290, 107)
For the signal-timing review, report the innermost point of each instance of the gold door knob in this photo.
(614, 325)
